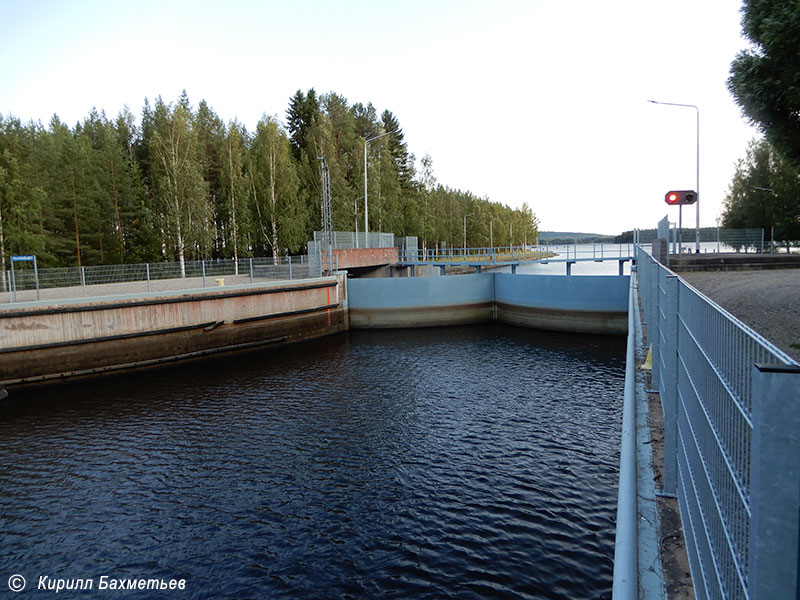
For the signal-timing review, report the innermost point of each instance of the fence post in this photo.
(775, 482)
(36, 277)
(669, 383)
(290, 268)
(83, 281)
(203, 270)
(147, 271)
(652, 326)
(251, 270)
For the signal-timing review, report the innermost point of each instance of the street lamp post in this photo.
(491, 236)
(465, 233)
(366, 210)
(697, 110)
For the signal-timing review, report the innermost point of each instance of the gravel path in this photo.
(767, 301)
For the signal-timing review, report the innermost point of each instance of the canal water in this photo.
(470, 462)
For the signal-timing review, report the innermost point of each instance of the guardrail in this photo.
(731, 404)
(103, 280)
(626, 581)
(500, 254)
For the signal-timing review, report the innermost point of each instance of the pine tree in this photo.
(182, 185)
(365, 120)
(211, 143)
(301, 114)
(21, 197)
(71, 215)
(404, 163)
(140, 238)
(343, 161)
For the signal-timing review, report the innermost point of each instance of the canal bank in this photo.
(42, 342)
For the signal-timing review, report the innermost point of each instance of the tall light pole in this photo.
(465, 233)
(366, 209)
(491, 236)
(697, 110)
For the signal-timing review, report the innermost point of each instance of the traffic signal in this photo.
(679, 197)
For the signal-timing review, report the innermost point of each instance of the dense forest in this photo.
(765, 194)
(765, 190)
(182, 184)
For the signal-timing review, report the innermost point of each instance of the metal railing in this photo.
(717, 240)
(105, 280)
(625, 583)
(731, 404)
(543, 253)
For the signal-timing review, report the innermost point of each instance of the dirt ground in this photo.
(768, 301)
(674, 561)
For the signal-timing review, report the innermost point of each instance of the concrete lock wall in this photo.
(420, 301)
(596, 304)
(40, 343)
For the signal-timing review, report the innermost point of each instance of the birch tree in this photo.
(274, 186)
(178, 181)
(234, 189)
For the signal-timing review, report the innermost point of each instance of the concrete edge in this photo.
(651, 576)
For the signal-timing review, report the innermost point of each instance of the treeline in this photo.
(571, 237)
(182, 184)
(765, 194)
(765, 190)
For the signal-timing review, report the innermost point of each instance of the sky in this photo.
(537, 101)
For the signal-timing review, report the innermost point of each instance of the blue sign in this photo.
(23, 258)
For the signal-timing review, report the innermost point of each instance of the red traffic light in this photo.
(680, 197)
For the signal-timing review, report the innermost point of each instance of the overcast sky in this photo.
(538, 101)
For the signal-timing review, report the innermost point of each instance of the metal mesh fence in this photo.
(105, 280)
(726, 240)
(703, 366)
(344, 240)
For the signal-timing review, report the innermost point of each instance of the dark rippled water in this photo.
(474, 462)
